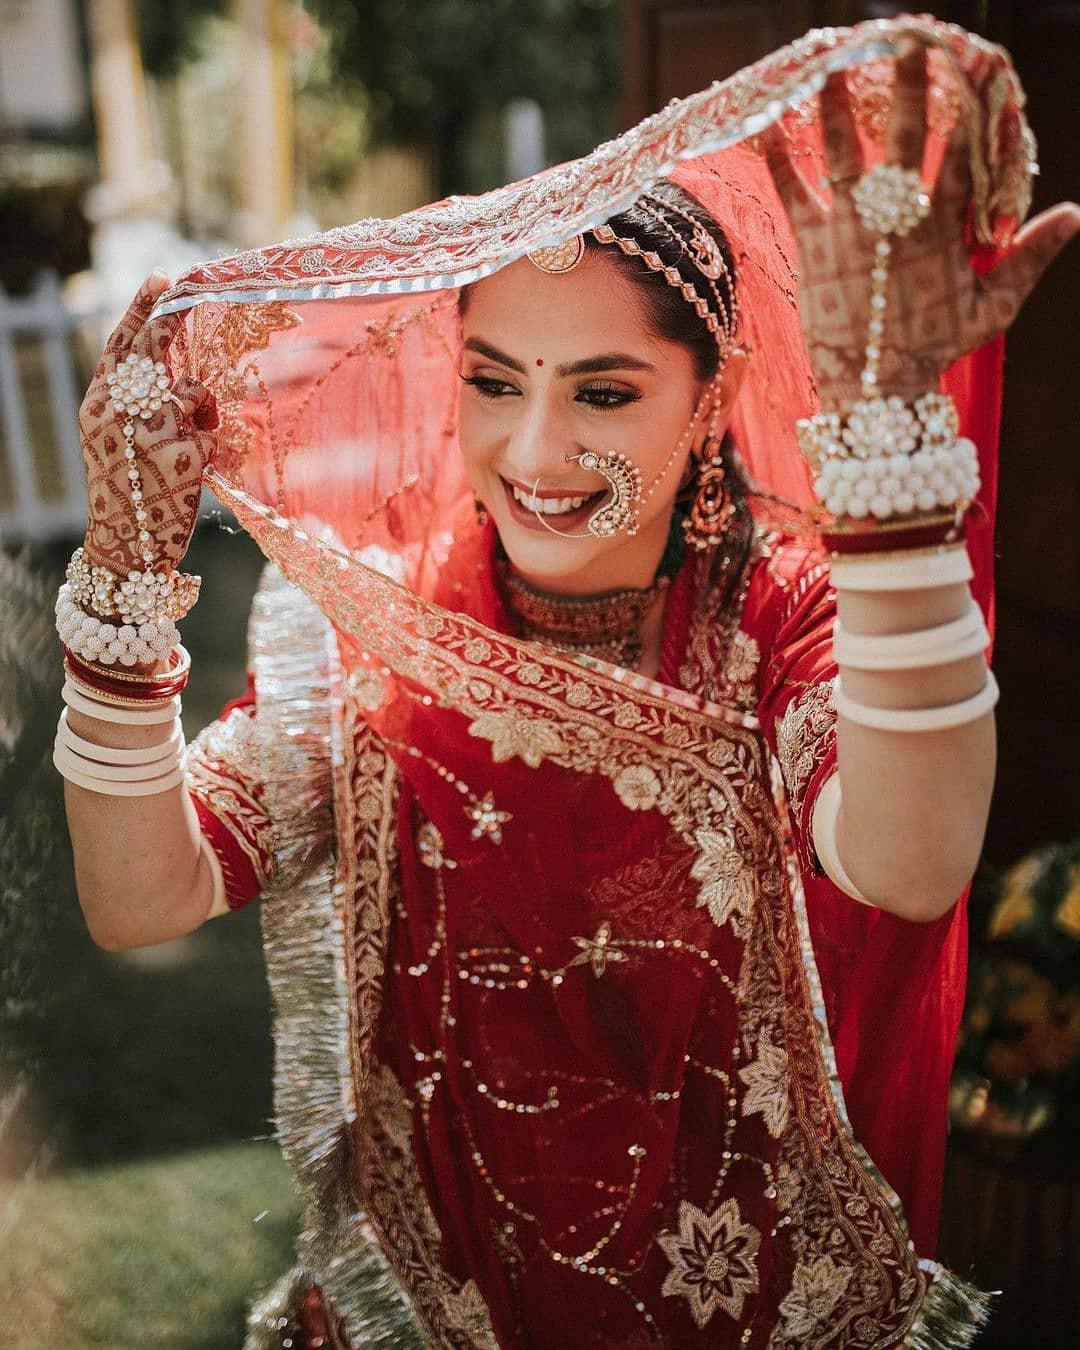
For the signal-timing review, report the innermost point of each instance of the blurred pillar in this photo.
(525, 153)
(132, 181)
(264, 163)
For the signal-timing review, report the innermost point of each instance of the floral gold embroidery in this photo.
(804, 736)
(727, 883)
(767, 1078)
(816, 1288)
(511, 734)
(637, 787)
(367, 688)
(219, 772)
(713, 1260)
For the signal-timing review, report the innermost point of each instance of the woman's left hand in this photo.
(937, 305)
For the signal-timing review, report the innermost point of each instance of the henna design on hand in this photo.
(173, 447)
(938, 306)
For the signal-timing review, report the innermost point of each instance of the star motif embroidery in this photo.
(767, 1079)
(713, 1260)
(487, 821)
(596, 951)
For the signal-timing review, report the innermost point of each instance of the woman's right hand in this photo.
(173, 447)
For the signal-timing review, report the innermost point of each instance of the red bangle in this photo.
(140, 689)
(874, 538)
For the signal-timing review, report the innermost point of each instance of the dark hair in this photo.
(670, 315)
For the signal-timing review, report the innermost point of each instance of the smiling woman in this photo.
(614, 1004)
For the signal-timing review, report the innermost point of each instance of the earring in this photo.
(482, 516)
(713, 505)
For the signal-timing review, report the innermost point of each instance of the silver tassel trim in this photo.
(953, 1312)
(296, 669)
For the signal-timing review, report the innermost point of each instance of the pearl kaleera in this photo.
(888, 458)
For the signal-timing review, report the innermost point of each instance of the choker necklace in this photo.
(605, 626)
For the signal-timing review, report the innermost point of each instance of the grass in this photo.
(141, 1151)
(157, 1252)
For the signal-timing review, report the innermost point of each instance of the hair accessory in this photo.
(919, 719)
(559, 258)
(604, 234)
(907, 570)
(706, 255)
(141, 597)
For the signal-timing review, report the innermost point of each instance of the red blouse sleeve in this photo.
(228, 799)
(790, 611)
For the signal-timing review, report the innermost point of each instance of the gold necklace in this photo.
(609, 626)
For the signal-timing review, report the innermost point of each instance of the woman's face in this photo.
(557, 365)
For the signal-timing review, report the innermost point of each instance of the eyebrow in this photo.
(589, 365)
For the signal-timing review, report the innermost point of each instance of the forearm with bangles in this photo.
(120, 746)
(902, 827)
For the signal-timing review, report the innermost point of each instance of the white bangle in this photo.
(904, 570)
(120, 713)
(66, 758)
(918, 719)
(934, 646)
(111, 788)
(115, 754)
(823, 830)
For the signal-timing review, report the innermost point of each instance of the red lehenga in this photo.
(576, 1044)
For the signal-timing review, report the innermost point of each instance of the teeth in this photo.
(548, 506)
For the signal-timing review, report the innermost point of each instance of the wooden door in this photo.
(674, 47)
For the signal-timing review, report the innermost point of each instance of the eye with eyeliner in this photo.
(604, 396)
(489, 387)
(600, 396)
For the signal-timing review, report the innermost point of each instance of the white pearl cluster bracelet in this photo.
(889, 459)
(141, 597)
(97, 640)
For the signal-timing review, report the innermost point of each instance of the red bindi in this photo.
(539, 360)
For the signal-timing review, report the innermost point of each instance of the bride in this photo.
(619, 739)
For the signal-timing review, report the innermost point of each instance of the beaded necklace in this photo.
(609, 626)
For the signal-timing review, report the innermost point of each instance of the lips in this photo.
(566, 511)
